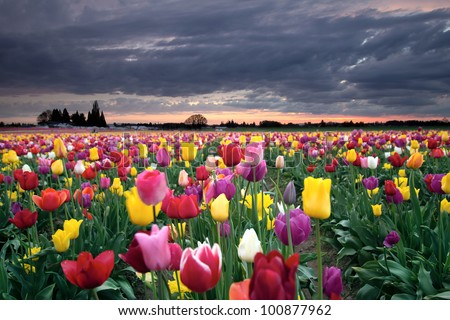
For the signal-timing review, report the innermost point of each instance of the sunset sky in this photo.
(290, 61)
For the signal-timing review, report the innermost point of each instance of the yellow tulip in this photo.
(316, 197)
(188, 151)
(72, 227)
(373, 192)
(57, 167)
(116, 187)
(12, 196)
(402, 173)
(351, 155)
(242, 139)
(401, 182)
(445, 206)
(138, 212)
(445, 183)
(262, 201)
(405, 192)
(415, 161)
(376, 209)
(176, 286)
(143, 150)
(444, 136)
(219, 208)
(415, 144)
(93, 154)
(61, 240)
(59, 148)
(387, 166)
(68, 182)
(133, 172)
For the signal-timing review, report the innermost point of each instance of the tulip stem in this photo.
(94, 294)
(51, 222)
(319, 262)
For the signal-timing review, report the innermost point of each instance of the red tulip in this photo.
(27, 180)
(200, 268)
(175, 256)
(396, 161)
(50, 199)
(231, 154)
(151, 186)
(89, 173)
(201, 173)
(183, 207)
(389, 188)
(87, 272)
(273, 278)
(24, 219)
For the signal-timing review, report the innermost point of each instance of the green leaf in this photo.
(425, 282)
(368, 292)
(403, 296)
(46, 293)
(126, 288)
(345, 252)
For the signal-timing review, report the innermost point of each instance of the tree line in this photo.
(95, 117)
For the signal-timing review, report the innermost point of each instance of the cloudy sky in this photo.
(246, 60)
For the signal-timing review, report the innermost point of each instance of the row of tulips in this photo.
(224, 215)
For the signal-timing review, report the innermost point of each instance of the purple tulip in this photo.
(397, 198)
(370, 183)
(196, 190)
(225, 229)
(86, 199)
(43, 170)
(300, 227)
(163, 157)
(391, 239)
(16, 207)
(289, 195)
(332, 282)
(8, 180)
(251, 173)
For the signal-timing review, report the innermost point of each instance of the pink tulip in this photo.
(200, 268)
(155, 248)
(151, 186)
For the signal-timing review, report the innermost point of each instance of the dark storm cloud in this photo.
(316, 57)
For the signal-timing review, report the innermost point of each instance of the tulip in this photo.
(240, 290)
(231, 154)
(300, 225)
(415, 161)
(139, 213)
(24, 219)
(143, 150)
(27, 180)
(188, 151)
(183, 207)
(87, 272)
(155, 248)
(210, 163)
(273, 277)
(391, 239)
(59, 148)
(396, 161)
(151, 186)
(445, 183)
(370, 183)
(201, 173)
(134, 255)
(175, 256)
(215, 188)
(372, 162)
(163, 157)
(396, 198)
(389, 188)
(89, 173)
(50, 199)
(252, 173)
(16, 207)
(249, 246)
(79, 167)
(445, 206)
(279, 162)
(376, 209)
(225, 229)
(72, 227)
(183, 179)
(434, 182)
(351, 155)
(57, 167)
(200, 268)
(263, 202)
(219, 208)
(61, 240)
(93, 154)
(332, 282)
(316, 197)
(105, 182)
(289, 195)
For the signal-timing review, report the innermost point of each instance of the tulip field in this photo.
(225, 215)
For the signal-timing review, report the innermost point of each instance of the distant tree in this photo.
(95, 118)
(44, 117)
(196, 121)
(65, 116)
(57, 116)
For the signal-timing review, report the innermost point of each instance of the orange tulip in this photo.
(415, 161)
(50, 199)
(240, 290)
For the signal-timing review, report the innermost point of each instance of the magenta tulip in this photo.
(151, 186)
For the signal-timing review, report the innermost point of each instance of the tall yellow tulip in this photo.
(316, 197)
(139, 213)
(59, 148)
(57, 167)
(188, 151)
(61, 240)
(351, 155)
(72, 227)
